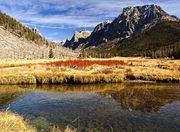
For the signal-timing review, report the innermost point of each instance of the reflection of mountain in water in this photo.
(139, 97)
(145, 98)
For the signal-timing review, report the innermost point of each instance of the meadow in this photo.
(86, 71)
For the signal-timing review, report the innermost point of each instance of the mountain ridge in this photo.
(132, 22)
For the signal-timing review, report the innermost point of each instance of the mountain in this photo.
(18, 41)
(98, 34)
(117, 37)
(132, 21)
(77, 39)
(162, 40)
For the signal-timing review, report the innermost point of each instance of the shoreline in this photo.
(79, 83)
(49, 79)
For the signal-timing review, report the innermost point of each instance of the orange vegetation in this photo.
(86, 63)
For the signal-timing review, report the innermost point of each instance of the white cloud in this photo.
(74, 13)
(60, 21)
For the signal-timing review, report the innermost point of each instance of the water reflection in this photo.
(9, 94)
(145, 97)
(100, 107)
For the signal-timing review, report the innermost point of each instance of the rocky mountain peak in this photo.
(101, 26)
(131, 22)
(81, 35)
(145, 13)
(134, 20)
(77, 38)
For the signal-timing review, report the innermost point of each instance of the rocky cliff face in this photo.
(77, 39)
(81, 35)
(99, 34)
(135, 20)
(132, 21)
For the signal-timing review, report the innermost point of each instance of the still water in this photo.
(100, 107)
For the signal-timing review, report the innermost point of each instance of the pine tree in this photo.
(51, 54)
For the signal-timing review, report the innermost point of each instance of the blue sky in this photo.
(59, 19)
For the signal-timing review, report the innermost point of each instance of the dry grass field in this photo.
(86, 71)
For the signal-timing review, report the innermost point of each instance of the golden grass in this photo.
(163, 70)
(10, 122)
(46, 72)
(79, 78)
(42, 74)
(15, 63)
(17, 79)
(154, 74)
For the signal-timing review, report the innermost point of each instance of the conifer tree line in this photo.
(171, 51)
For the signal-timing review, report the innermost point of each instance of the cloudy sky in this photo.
(58, 19)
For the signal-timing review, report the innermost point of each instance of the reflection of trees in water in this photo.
(145, 98)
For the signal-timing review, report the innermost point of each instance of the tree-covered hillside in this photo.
(163, 40)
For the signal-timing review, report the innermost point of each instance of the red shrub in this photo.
(86, 63)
